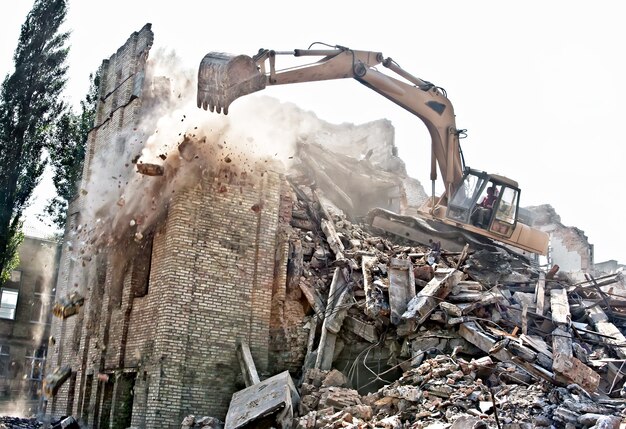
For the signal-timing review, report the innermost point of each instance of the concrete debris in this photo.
(68, 305)
(191, 422)
(7, 422)
(413, 336)
(150, 169)
(55, 379)
(66, 423)
(272, 400)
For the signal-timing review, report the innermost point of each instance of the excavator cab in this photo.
(486, 201)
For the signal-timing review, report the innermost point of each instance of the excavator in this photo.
(462, 213)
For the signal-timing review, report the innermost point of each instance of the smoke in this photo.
(44, 262)
(187, 143)
(19, 408)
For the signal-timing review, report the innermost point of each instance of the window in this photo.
(39, 285)
(465, 198)
(506, 213)
(5, 360)
(8, 303)
(141, 268)
(34, 364)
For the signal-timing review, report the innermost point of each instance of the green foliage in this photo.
(67, 151)
(29, 104)
(14, 261)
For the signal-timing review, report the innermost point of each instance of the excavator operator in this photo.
(484, 209)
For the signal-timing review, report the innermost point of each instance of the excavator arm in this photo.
(222, 78)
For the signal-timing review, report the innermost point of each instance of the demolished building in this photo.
(240, 250)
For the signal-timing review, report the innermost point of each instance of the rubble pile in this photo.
(450, 389)
(7, 422)
(478, 338)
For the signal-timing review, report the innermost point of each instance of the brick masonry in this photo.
(146, 355)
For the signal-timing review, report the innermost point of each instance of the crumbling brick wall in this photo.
(569, 247)
(171, 341)
(212, 281)
(122, 78)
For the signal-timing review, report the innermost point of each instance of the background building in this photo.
(25, 325)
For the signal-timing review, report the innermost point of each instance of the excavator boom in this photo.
(222, 78)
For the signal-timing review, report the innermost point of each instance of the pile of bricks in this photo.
(481, 338)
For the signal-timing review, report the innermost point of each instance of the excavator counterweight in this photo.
(222, 78)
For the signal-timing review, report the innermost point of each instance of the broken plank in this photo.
(538, 372)
(473, 334)
(246, 363)
(423, 304)
(537, 343)
(326, 347)
(313, 297)
(332, 238)
(401, 287)
(559, 306)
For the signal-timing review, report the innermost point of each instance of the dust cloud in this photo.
(187, 143)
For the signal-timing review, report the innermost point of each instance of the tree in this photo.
(29, 103)
(67, 151)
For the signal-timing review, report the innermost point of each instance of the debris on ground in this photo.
(481, 338)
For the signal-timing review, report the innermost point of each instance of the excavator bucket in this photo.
(222, 78)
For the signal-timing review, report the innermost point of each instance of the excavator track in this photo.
(426, 232)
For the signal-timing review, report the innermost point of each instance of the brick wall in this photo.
(212, 269)
(77, 340)
(212, 274)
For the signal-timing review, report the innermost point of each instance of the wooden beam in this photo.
(423, 304)
(326, 347)
(246, 363)
(474, 335)
(332, 238)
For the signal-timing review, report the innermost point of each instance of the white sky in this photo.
(538, 84)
